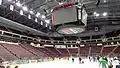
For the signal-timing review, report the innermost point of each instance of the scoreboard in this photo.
(69, 14)
(65, 15)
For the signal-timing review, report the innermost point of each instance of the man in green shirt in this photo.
(103, 63)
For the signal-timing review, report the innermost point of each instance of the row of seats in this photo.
(26, 51)
(15, 52)
(92, 51)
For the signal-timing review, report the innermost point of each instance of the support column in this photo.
(113, 50)
(101, 50)
(89, 51)
(50, 51)
(69, 52)
(58, 51)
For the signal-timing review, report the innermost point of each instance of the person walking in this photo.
(16, 67)
(110, 64)
(103, 63)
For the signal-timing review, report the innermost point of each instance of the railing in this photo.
(56, 42)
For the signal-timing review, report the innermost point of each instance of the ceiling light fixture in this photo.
(25, 8)
(29, 16)
(18, 4)
(38, 14)
(11, 7)
(31, 12)
(41, 22)
(112, 43)
(36, 20)
(21, 12)
(105, 14)
(46, 25)
(118, 43)
(97, 15)
(47, 21)
(43, 16)
(51, 10)
(49, 27)
(105, 1)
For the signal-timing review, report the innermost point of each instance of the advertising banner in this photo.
(33, 61)
(20, 62)
(40, 60)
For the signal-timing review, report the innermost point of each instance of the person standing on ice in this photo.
(73, 60)
(103, 63)
(80, 59)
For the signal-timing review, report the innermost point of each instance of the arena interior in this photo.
(59, 33)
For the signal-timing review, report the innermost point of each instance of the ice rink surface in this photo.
(61, 64)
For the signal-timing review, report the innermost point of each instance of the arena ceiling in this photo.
(103, 17)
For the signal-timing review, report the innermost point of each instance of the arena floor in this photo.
(62, 64)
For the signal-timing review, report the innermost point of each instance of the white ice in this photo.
(61, 64)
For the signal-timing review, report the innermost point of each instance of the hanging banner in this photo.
(1, 2)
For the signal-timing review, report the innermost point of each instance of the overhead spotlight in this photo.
(18, 4)
(38, 14)
(118, 43)
(49, 27)
(51, 10)
(29, 16)
(97, 15)
(31, 12)
(47, 21)
(41, 22)
(43, 16)
(104, 1)
(105, 14)
(36, 20)
(21, 12)
(11, 7)
(47, 11)
(112, 43)
(46, 25)
(25, 8)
